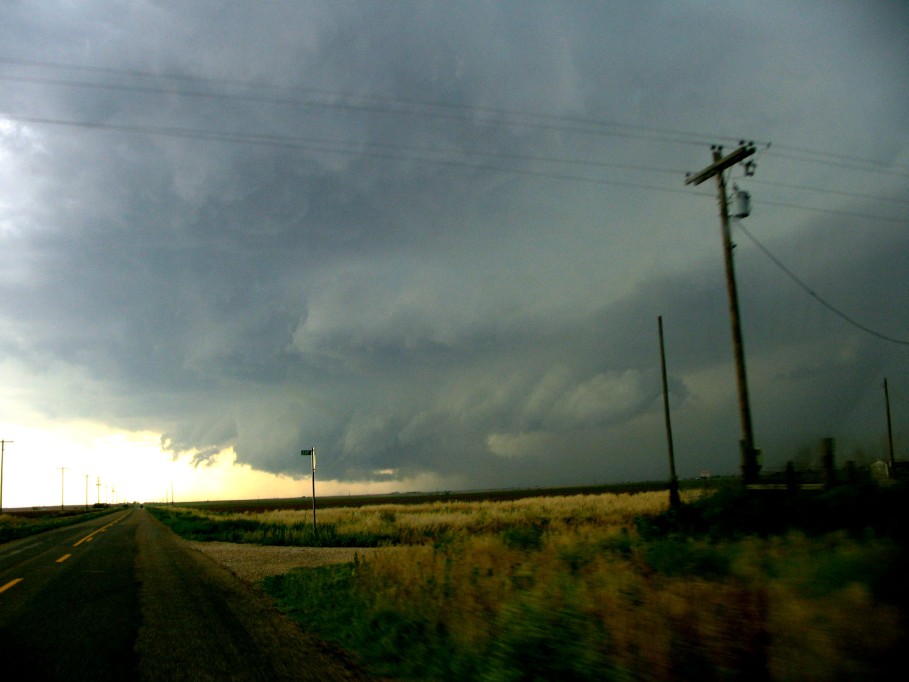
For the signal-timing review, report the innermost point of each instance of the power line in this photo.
(795, 278)
(337, 147)
(842, 193)
(337, 99)
(402, 107)
(697, 138)
(826, 157)
(833, 211)
(568, 123)
(866, 165)
(560, 123)
(373, 149)
(557, 122)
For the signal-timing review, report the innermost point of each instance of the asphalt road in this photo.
(122, 598)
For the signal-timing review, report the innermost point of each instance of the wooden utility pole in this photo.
(674, 500)
(749, 454)
(889, 425)
(312, 453)
(62, 476)
(2, 454)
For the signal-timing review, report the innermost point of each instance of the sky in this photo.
(432, 240)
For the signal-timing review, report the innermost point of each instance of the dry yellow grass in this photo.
(479, 589)
(424, 523)
(505, 579)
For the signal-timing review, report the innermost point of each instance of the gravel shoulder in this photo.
(200, 622)
(252, 563)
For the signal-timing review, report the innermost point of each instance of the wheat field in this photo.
(568, 583)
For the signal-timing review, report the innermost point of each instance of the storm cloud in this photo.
(434, 238)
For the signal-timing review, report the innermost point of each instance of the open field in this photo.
(22, 523)
(413, 523)
(489, 495)
(606, 586)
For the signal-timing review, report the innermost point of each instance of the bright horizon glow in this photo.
(107, 465)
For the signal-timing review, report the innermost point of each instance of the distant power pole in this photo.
(312, 453)
(889, 425)
(749, 454)
(2, 453)
(674, 500)
(62, 475)
(98, 485)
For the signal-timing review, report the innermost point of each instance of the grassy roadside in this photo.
(429, 523)
(204, 526)
(14, 526)
(664, 598)
(807, 586)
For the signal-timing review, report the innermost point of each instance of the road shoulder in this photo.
(201, 622)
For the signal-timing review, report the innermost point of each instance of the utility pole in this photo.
(98, 485)
(674, 500)
(749, 454)
(62, 476)
(86, 492)
(312, 453)
(889, 426)
(2, 453)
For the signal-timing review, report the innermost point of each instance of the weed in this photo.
(14, 526)
(601, 587)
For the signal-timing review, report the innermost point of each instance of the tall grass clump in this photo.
(579, 597)
(593, 587)
(14, 526)
(412, 524)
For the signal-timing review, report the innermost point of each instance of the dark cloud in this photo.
(345, 225)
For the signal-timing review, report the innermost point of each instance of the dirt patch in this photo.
(201, 623)
(252, 563)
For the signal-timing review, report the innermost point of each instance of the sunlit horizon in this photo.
(110, 466)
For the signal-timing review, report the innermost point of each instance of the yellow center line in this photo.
(63, 558)
(88, 537)
(10, 584)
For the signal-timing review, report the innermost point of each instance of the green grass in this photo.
(781, 586)
(14, 526)
(328, 601)
(193, 526)
(712, 585)
(870, 514)
(733, 512)
(533, 642)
